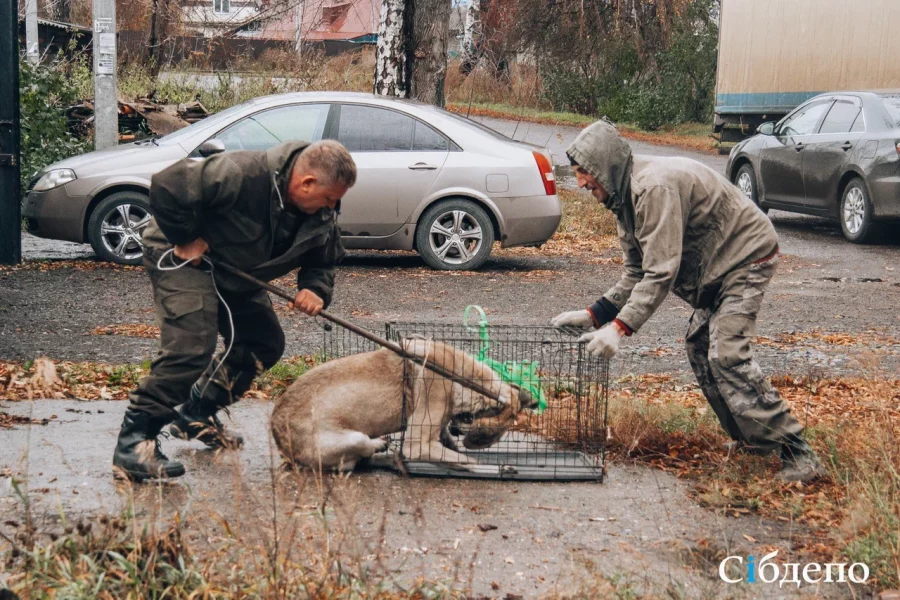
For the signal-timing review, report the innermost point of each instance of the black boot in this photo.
(799, 461)
(197, 420)
(138, 455)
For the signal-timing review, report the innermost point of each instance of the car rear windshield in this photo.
(892, 105)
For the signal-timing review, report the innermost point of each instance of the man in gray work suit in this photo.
(685, 228)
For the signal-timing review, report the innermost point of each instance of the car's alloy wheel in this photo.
(455, 235)
(856, 213)
(116, 226)
(746, 182)
(854, 210)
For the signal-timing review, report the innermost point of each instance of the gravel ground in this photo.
(823, 284)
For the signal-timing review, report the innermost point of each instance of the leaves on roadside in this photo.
(78, 265)
(129, 330)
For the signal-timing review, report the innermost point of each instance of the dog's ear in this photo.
(526, 400)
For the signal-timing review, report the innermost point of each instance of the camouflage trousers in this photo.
(191, 317)
(718, 347)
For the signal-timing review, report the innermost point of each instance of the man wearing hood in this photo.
(685, 228)
(265, 212)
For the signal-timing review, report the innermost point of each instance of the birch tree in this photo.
(391, 76)
(470, 37)
(411, 54)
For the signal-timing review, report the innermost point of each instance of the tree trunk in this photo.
(391, 74)
(62, 11)
(431, 32)
(153, 57)
(411, 55)
(470, 50)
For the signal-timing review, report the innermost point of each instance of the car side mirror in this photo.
(766, 128)
(210, 147)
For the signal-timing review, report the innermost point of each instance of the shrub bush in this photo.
(45, 91)
(672, 84)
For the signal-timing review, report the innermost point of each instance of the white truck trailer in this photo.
(776, 54)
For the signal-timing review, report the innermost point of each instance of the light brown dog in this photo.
(336, 413)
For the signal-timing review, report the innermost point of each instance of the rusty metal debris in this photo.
(139, 119)
(192, 111)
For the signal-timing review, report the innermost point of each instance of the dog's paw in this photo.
(381, 444)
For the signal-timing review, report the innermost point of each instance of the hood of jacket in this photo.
(600, 151)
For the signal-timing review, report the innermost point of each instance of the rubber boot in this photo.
(138, 455)
(799, 461)
(197, 420)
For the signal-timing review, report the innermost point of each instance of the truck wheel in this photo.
(857, 221)
(745, 180)
(454, 235)
(116, 225)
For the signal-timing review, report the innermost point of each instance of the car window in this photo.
(892, 106)
(186, 132)
(804, 121)
(859, 125)
(264, 129)
(247, 134)
(373, 129)
(840, 118)
(304, 122)
(427, 139)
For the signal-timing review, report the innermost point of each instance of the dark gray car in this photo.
(837, 155)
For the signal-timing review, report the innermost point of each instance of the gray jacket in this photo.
(682, 226)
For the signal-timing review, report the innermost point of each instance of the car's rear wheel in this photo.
(857, 214)
(745, 180)
(455, 235)
(116, 225)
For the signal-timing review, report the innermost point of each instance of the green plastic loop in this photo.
(523, 374)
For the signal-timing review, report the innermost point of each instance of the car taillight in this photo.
(545, 167)
(898, 148)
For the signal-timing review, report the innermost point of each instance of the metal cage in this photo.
(564, 441)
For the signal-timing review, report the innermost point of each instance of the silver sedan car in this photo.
(428, 179)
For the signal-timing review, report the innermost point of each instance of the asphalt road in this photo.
(545, 530)
(492, 538)
(557, 138)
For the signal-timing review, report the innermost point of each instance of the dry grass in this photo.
(586, 229)
(272, 547)
(520, 87)
(853, 423)
(45, 378)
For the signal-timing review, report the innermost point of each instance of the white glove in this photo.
(574, 318)
(604, 342)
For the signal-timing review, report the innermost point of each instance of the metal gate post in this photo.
(10, 194)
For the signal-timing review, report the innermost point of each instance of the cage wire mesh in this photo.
(553, 426)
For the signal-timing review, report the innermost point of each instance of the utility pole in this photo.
(106, 106)
(10, 193)
(31, 32)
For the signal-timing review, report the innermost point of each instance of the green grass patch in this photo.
(277, 379)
